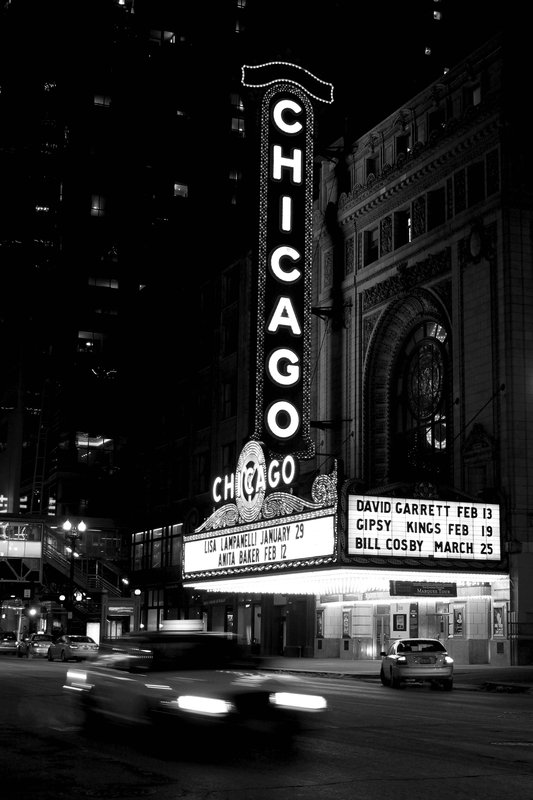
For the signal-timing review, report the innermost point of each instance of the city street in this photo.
(374, 743)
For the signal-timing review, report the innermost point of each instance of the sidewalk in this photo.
(466, 676)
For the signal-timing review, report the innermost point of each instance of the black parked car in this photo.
(8, 642)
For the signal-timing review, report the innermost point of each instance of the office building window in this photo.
(162, 37)
(98, 205)
(472, 96)
(371, 167)
(237, 125)
(436, 121)
(236, 101)
(402, 227)
(181, 190)
(475, 182)
(230, 286)
(102, 100)
(403, 144)
(94, 450)
(201, 472)
(107, 283)
(436, 208)
(371, 241)
(228, 398)
(230, 331)
(90, 341)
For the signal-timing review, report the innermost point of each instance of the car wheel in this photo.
(395, 681)
(384, 680)
(50, 656)
(447, 685)
(63, 656)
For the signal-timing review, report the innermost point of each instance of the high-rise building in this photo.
(121, 155)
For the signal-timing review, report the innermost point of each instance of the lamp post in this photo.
(72, 533)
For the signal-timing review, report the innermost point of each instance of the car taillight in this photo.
(448, 660)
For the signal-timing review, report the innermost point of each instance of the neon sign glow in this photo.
(282, 415)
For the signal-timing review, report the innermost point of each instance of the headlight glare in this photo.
(204, 705)
(307, 702)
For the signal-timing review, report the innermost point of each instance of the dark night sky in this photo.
(373, 52)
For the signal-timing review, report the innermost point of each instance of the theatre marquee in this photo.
(396, 526)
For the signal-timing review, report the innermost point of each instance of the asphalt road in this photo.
(373, 744)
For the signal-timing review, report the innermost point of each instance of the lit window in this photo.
(402, 228)
(94, 450)
(235, 175)
(162, 37)
(236, 101)
(181, 190)
(102, 100)
(90, 341)
(472, 95)
(97, 205)
(241, 3)
(237, 125)
(109, 283)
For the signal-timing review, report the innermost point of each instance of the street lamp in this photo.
(71, 533)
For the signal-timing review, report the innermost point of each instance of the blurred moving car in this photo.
(411, 660)
(34, 646)
(8, 642)
(189, 682)
(74, 647)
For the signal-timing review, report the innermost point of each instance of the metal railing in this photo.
(87, 575)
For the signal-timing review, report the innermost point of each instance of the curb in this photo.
(498, 687)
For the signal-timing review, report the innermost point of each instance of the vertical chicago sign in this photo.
(259, 525)
(282, 411)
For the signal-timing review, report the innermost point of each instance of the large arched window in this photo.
(421, 418)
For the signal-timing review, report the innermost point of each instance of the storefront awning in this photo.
(336, 581)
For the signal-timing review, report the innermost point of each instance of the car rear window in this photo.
(421, 647)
